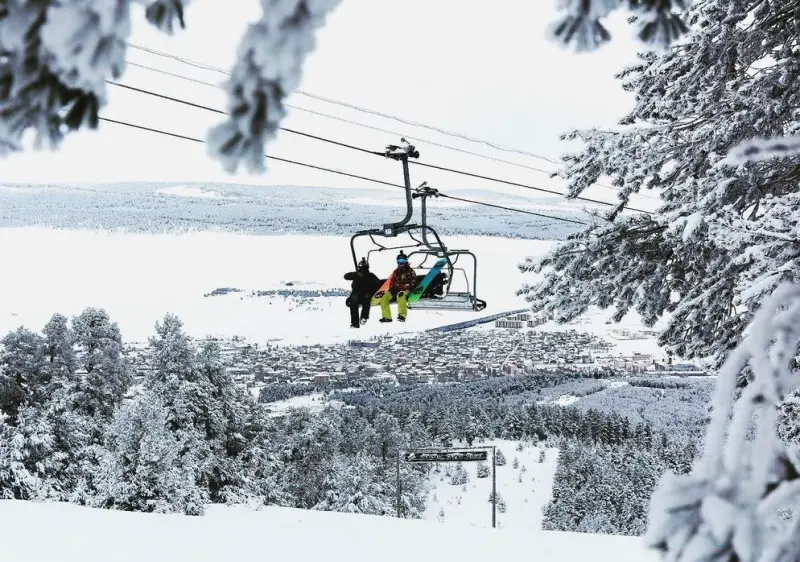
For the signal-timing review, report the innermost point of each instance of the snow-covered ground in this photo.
(190, 191)
(43, 532)
(138, 278)
(314, 402)
(525, 490)
(570, 399)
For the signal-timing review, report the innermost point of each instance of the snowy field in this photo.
(526, 490)
(138, 278)
(314, 402)
(80, 534)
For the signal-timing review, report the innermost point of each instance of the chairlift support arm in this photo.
(402, 153)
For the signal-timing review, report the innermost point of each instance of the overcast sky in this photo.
(483, 69)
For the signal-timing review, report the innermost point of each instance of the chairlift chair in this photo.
(426, 243)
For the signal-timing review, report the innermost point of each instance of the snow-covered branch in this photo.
(754, 150)
(721, 510)
(580, 26)
(56, 57)
(163, 13)
(269, 66)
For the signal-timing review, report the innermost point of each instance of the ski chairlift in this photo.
(439, 295)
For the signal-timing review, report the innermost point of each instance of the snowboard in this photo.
(376, 298)
(416, 294)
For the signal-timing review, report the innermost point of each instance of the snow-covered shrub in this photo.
(459, 476)
(542, 455)
(500, 458)
(500, 504)
(482, 470)
(515, 463)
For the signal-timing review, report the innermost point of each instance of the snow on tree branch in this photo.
(269, 67)
(56, 57)
(581, 29)
(754, 150)
(86, 42)
(722, 510)
(163, 13)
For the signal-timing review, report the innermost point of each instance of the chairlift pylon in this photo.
(438, 295)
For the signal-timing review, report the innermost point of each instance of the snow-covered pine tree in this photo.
(23, 377)
(28, 465)
(358, 434)
(724, 236)
(390, 437)
(308, 455)
(235, 427)
(460, 476)
(354, 486)
(514, 424)
(61, 360)
(217, 421)
(100, 355)
(143, 469)
(56, 57)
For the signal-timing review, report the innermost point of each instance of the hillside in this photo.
(79, 534)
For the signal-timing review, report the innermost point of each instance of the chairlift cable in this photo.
(359, 124)
(211, 68)
(286, 160)
(204, 66)
(382, 130)
(221, 112)
(367, 151)
(534, 213)
(534, 188)
(334, 171)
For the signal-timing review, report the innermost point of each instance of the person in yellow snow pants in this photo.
(404, 279)
(402, 305)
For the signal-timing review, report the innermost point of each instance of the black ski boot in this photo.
(401, 318)
(384, 320)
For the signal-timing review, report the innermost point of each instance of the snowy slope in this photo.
(524, 500)
(42, 532)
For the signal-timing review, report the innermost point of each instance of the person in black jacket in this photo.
(364, 285)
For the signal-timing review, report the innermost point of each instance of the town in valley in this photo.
(510, 346)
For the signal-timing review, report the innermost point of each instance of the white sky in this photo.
(460, 65)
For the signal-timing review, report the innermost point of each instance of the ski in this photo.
(416, 294)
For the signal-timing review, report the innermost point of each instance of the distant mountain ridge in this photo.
(156, 207)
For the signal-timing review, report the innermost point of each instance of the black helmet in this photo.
(363, 265)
